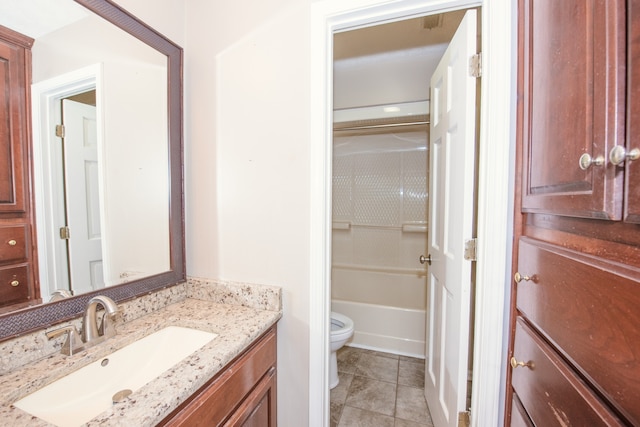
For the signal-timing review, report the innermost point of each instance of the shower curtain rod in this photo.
(381, 126)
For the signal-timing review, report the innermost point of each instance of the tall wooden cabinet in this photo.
(575, 347)
(18, 260)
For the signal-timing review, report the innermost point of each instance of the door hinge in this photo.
(475, 65)
(64, 233)
(470, 249)
(60, 131)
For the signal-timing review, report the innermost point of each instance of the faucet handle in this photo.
(73, 344)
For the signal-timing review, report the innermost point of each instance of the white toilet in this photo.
(341, 331)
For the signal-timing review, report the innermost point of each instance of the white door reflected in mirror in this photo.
(82, 174)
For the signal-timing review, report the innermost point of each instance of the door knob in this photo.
(619, 154)
(426, 259)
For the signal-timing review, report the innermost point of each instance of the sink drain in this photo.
(121, 395)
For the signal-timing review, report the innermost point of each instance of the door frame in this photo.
(46, 114)
(496, 161)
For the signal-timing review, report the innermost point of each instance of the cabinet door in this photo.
(632, 201)
(259, 407)
(573, 83)
(13, 127)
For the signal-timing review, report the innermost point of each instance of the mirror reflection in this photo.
(100, 139)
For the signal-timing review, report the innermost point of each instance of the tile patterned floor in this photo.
(379, 390)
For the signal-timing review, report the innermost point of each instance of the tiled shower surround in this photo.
(379, 231)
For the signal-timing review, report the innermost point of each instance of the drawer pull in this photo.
(516, 364)
(14, 283)
(12, 242)
(520, 277)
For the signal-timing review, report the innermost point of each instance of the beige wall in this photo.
(247, 162)
(247, 154)
(247, 157)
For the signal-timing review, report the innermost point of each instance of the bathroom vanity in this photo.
(231, 380)
(244, 393)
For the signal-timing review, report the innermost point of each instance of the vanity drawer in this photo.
(588, 309)
(13, 243)
(14, 286)
(549, 390)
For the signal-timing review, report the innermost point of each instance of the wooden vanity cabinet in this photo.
(242, 394)
(18, 284)
(574, 357)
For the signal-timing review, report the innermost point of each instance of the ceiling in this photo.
(36, 18)
(399, 35)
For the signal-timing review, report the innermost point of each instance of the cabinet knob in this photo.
(14, 283)
(515, 364)
(12, 242)
(586, 161)
(520, 277)
(619, 154)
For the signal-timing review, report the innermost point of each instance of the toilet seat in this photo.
(341, 327)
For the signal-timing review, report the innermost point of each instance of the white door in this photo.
(82, 196)
(451, 215)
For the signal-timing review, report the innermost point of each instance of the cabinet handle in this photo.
(586, 161)
(12, 242)
(515, 364)
(426, 259)
(14, 283)
(619, 154)
(520, 277)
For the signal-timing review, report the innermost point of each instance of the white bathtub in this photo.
(383, 328)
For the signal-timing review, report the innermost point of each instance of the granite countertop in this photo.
(237, 327)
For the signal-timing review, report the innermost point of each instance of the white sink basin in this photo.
(80, 396)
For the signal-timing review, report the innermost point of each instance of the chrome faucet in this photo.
(92, 334)
(60, 294)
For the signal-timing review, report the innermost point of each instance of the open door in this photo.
(451, 215)
(82, 187)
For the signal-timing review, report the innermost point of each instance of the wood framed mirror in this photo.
(15, 323)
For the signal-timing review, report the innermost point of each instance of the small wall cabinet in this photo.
(572, 70)
(18, 259)
(242, 394)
